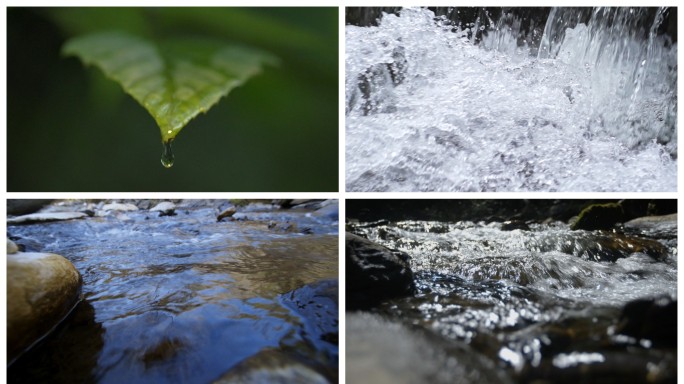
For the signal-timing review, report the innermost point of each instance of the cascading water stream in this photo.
(430, 110)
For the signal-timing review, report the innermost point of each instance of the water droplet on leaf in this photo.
(167, 155)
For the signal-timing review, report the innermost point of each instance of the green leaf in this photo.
(174, 80)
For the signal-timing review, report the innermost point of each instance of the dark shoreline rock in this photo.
(375, 273)
(25, 206)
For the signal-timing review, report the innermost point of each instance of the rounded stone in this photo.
(375, 273)
(42, 289)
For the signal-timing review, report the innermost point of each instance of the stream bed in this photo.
(188, 298)
(536, 303)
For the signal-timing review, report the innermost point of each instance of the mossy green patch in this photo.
(599, 216)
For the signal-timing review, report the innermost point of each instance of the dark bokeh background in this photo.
(71, 129)
(494, 209)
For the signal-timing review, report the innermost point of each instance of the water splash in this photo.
(167, 157)
(428, 110)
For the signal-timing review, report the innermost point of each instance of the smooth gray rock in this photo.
(44, 217)
(165, 208)
(654, 226)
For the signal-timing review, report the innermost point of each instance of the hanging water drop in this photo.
(167, 155)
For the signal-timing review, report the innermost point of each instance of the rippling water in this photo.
(526, 298)
(592, 109)
(184, 298)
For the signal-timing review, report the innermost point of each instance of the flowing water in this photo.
(591, 108)
(186, 298)
(536, 302)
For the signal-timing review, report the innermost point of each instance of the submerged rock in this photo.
(375, 273)
(42, 289)
(610, 247)
(44, 217)
(272, 366)
(317, 305)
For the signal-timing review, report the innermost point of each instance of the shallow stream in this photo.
(185, 298)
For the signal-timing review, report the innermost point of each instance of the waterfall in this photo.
(494, 100)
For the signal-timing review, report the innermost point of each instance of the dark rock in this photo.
(226, 213)
(599, 216)
(375, 273)
(651, 319)
(25, 206)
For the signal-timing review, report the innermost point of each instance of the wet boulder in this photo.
(42, 289)
(45, 217)
(660, 227)
(608, 246)
(599, 216)
(651, 319)
(273, 366)
(375, 273)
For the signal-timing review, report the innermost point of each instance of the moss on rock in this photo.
(599, 216)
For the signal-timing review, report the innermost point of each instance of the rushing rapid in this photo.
(592, 107)
(543, 302)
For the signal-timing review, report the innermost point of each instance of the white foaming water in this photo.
(593, 113)
(550, 260)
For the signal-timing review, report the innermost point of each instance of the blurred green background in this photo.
(71, 129)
